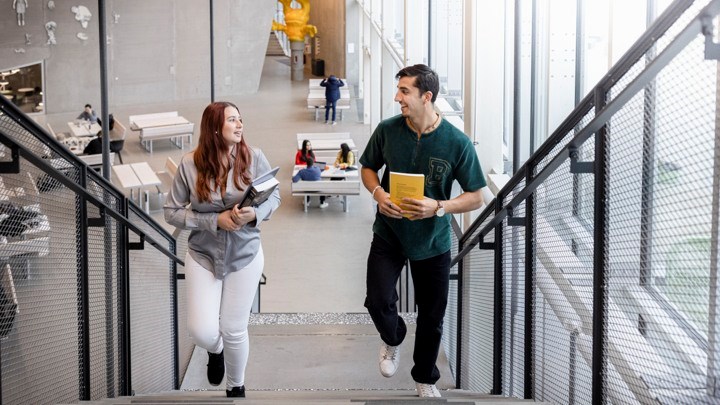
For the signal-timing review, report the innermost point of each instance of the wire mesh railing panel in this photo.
(39, 253)
(660, 214)
(478, 315)
(152, 298)
(450, 323)
(563, 289)
(104, 302)
(562, 143)
(61, 275)
(513, 262)
(45, 281)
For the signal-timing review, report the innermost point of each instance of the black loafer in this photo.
(215, 368)
(236, 392)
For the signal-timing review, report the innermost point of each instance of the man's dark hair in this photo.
(88, 105)
(425, 78)
(310, 162)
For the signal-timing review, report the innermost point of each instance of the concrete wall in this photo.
(158, 51)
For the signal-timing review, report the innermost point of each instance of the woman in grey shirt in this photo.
(225, 258)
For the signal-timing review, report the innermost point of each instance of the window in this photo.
(23, 85)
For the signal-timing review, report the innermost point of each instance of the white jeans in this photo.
(219, 310)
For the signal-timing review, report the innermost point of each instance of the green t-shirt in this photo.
(443, 155)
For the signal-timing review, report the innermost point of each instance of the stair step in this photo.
(354, 397)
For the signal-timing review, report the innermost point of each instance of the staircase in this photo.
(274, 48)
(315, 359)
(308, 397)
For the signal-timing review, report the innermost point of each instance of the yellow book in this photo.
(410, 185)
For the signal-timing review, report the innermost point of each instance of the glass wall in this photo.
(23, 85)
(566, 47)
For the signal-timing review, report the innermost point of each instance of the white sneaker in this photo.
(334, 123)
(327, 122)
(324, 205)
(389, 359)
(427, 390)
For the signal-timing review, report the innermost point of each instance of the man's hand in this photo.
(418, 209)
(387, 207)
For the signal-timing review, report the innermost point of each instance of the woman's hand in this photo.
(226, 221)
(235, 218)
(243, 215)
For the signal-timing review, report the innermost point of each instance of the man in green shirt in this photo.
(418, 141)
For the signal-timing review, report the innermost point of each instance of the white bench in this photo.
(96, 160)
(167, 125)
(316, 101)
(307, 189)
(348, 185)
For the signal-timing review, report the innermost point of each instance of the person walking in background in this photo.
(332, 95)
(225, 256)
(88, 114)
(417, 141)
(304, 153)
(310, 173)
(345, 157)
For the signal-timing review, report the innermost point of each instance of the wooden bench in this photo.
(166, 125)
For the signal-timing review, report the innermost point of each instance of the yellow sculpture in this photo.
(296, 19)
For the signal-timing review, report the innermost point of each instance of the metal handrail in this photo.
(44, 164)
(604, 110)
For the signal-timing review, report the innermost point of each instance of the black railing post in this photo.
(498, 304)
(600, 255)
(124, 257)
(81, 222)
(458, 340)
(104, 105)
(176, 339)
(529, 276)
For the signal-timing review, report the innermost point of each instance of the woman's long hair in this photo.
(304, 152)
(344, 150)
(211, 157)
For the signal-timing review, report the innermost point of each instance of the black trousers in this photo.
(431, 280)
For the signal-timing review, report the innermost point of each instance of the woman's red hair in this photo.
(211, 154)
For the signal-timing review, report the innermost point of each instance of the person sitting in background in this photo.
(345, 157)
(306, 151)
(94, 147)
(310, 173)
(88, 114)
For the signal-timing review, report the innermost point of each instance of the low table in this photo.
(135, 176)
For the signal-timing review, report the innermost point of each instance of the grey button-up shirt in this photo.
(215, 249)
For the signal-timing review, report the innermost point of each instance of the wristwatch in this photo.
(439, 210)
